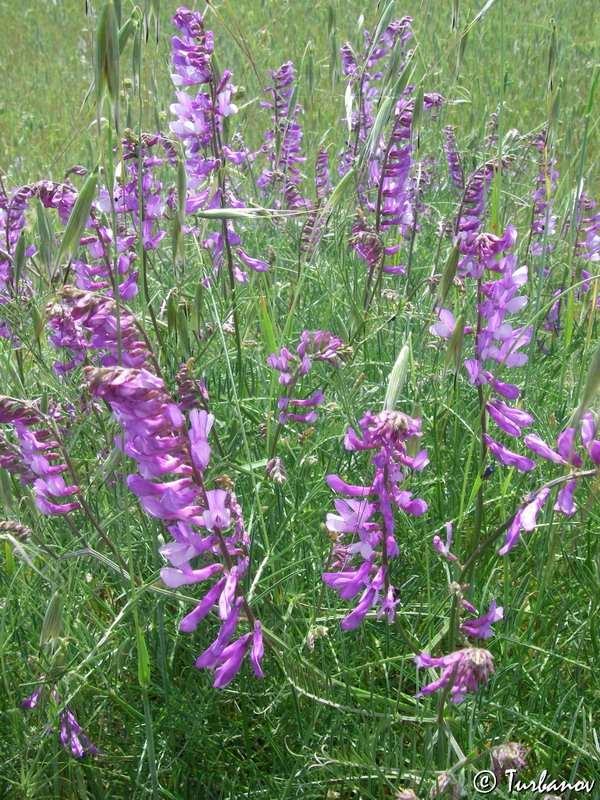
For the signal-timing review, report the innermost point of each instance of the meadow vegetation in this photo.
(300, 371)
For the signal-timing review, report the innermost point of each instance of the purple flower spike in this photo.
(371, 522)
(482, 627)
(157, 437)
(507, 756)
(464, 671)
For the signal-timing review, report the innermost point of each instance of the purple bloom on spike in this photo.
(482, 627)
(507, 756)
(453, 160)
(463, 671)
(318, 346)
(207, 524)
(371, 522)
(444, 548)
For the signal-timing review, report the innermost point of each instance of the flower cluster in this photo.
(567, 456)
(495, 338)
(391, 189)
(369, 515)
(292, 367)
(12, 222)
(34, 458)
(199, 124)
(453, 160)
(85, 322)
(543, 225)
(463, 671)
(469, 220)
(364, 73)
(72, 737)
(507, 756)
(283, 141)
(207, 525)
(589, 248)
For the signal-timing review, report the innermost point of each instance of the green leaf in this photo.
(53, 619)
(143, 659)
(448, 275)
(47, 248)
(108, 60)
(19, 259)
(267, 326)
(397, 379)
(79, 215)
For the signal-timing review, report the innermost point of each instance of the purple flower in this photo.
(258, 650)
(463, 671)
(444, 548)
(190, 622)
(564, 499)
(564, 454)
(525, 519)
(507, 457)
(33, 699)
(482, 627)
(349, 583)
(507, 757)
(511, 420)
(72, 737)
(445, 327)
(230, 660)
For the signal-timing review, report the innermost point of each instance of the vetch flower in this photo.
(507, 756)
(463, 671)
(482, 627)
(388, 434)
(444, 548)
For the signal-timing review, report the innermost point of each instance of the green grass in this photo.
(339, 721)
(47, 50)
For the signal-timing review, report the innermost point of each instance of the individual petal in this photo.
(564, 499)
(540, 448)
(174, 578)
(191, 620)
(531, 510)
(507, 457)
(258, 650)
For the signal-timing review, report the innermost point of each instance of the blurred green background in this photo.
(46, 52)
